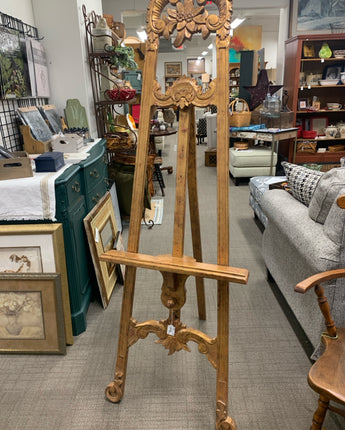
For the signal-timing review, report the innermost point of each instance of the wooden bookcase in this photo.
(234, 79)
(302, 60)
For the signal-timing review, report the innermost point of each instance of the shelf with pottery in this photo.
(315, 81)
(234, 79)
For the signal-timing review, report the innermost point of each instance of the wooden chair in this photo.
(188, 17)
(327, 375)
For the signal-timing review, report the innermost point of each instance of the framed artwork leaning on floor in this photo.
(31, 313)
(101, 231)
(37, 248)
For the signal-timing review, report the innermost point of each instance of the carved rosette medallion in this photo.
(223, 421)
(187, 17)
(114, 390)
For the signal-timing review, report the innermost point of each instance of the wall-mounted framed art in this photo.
(31, 313)
(101, 231)
(173, 69)
(316, 16)
(195, 65)
(37, 248)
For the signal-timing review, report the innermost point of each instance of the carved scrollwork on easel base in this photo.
(114, 391)
(178, 342)
(184, 92)
(224, 422)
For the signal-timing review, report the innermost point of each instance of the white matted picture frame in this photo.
(31, 314)
(37, 248)
(101, 231)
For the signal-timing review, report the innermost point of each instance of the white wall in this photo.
(62, 26)
(21, 9)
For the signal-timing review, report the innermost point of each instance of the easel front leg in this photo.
(224, 422)
(194, 214)
(115, 390)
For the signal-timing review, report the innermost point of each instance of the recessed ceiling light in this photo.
(236, 22)
(204, 53)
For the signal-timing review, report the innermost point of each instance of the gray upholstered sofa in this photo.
(302, 239)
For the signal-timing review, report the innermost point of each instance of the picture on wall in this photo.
(320, 15)
(173, 69)
(40, 69)
(13, 65)
(245, 38)
(195, 65)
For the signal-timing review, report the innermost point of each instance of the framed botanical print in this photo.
(101, 231)
(31, 313)
(37, 248)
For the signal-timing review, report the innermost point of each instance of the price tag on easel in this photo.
(171, 330)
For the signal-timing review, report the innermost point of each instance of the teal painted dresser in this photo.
(77, 191)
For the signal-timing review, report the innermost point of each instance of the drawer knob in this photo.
(95, 173)
(76, 187)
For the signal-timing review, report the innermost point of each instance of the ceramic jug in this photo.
(331, 131)
(341, 128)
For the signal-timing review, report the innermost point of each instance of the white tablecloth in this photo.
(32, 198)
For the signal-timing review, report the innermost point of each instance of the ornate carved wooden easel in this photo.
(187, 18)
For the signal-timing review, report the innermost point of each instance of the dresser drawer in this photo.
(70, 192)
(95, 172)
(93, 196)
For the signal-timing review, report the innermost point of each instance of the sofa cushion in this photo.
(334, 226)
(302, 181)
(325, 193)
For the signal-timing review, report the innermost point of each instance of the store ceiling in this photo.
(268, 17)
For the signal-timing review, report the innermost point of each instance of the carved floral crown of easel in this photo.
(187, 18)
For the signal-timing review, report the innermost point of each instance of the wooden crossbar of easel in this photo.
(175, 268)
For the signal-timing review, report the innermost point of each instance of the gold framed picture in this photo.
(173, 69)
(101, 231)
(37, 248)
(31, 313)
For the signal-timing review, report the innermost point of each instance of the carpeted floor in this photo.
(268, 387)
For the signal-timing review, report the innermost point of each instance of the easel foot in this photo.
(224, 422)
(114, 391)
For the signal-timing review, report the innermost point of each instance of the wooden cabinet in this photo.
(77, 190)
(303, 72)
